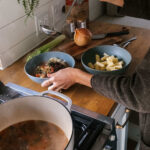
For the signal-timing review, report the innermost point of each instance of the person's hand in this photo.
(61, 79)
(65, 78)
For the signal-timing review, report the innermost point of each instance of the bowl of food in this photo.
(106, 60)
(39, 68)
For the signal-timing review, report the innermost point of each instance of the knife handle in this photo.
(118, 33)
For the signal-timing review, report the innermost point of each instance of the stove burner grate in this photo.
(86, 131)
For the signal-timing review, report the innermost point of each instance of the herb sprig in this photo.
(29, 6)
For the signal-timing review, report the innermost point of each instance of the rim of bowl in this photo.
(106, 70)
(43, 54)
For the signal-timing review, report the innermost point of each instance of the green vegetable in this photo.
(47, 47)
(29, 6)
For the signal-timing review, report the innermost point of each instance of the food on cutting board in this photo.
(54, 64)
(106, 63)
(82, 36)
(33, 135)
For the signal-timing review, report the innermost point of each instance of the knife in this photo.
(111, 34)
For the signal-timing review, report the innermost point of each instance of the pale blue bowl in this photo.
(31, 65)
(120, 53)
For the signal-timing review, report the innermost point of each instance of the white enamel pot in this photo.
(39, 107)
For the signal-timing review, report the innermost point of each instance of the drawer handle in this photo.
(118, 126)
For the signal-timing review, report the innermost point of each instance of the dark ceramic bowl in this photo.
(120, 53)
(31, 65)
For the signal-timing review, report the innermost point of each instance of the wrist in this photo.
(82, 77)
(75, 75)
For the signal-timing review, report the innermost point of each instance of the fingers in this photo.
(54, 87)
(47, 82)
(59, 80)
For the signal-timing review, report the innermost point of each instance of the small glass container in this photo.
(81, 23)
(71, 26)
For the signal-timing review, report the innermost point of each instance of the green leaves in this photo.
(29, 6)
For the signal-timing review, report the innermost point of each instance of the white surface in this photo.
(7, 7)
(11, 55)
(129, 21)
(95, 9)
(17, 37)
(15, 32)
(10, 11)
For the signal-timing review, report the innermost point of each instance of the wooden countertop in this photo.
(81, 95)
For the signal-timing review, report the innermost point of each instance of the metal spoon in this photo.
(126, 43)
(46, 29)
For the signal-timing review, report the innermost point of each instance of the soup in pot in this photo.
(33, 135)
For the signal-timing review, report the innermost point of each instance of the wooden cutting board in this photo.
(71, 48)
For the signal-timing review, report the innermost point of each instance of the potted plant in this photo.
(29, 6)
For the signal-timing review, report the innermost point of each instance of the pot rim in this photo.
(55, 101)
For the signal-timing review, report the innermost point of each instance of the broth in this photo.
(33, 135)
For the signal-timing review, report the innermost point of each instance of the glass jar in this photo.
(81, 23)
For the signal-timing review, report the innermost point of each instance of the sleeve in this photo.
(131, 91)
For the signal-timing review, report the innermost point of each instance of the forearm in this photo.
(82, 77)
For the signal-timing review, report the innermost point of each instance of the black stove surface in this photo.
(7, 93)
(86, 131)
(90, 134)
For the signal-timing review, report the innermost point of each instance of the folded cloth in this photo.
(115, 2)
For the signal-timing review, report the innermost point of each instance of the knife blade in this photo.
(111, 34)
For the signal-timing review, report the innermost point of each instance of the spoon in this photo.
(126, 43)
(46, 29)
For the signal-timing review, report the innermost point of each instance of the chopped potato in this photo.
(98, 59)
(100, 64)
(91, 65)
(106, 63)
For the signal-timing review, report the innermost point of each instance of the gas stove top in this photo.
(92, 131)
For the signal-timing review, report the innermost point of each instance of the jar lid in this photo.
(70, 20)
(81, 19)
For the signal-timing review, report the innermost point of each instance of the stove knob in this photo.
(107, 147)
(112, 138)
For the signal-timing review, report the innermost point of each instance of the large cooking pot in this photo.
(39, 107)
